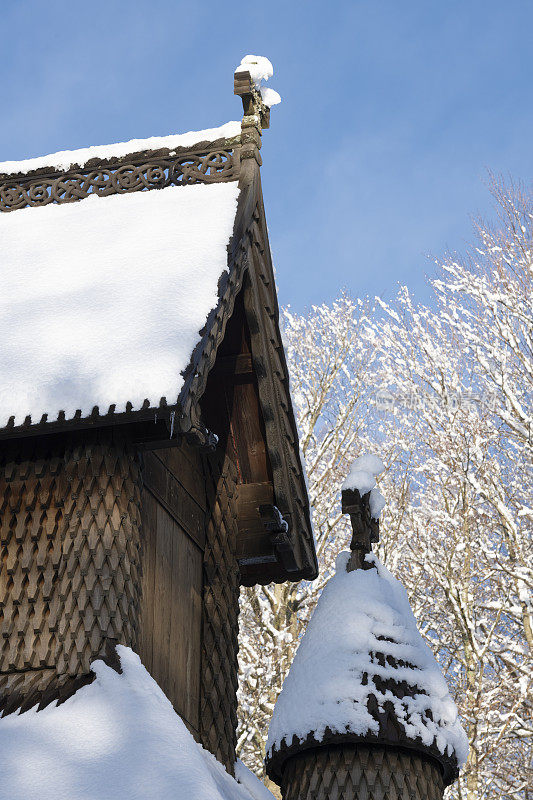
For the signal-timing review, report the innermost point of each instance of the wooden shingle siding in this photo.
(220, 610)
(377, 773)
(70, 569)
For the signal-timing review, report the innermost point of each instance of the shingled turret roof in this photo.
(362, 673)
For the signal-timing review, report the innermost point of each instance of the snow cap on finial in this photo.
(260, 69)
(363, 501)
(362, 477)
(256, 98)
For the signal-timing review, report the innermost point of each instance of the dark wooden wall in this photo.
(190, 589)
(103, 542)
(220, 613)
(173, 523)
(375, 773)
(69, 561)
(232, 409)
(100, 545)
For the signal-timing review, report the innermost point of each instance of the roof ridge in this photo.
(64, 160)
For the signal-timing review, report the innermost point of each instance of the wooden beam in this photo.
(234, 365)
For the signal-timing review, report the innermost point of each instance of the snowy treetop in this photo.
(68, 158)
(117, 737)
(102, 301)
(360, 614)
(260, 69)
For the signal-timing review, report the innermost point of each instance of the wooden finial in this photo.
(252, 103)
(256, 102)
(252, 121)
(365, 529)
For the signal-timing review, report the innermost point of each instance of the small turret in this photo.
(364, 711)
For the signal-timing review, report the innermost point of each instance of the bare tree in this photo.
(443, 394)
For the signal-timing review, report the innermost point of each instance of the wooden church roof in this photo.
(104, 300)
(118, 297)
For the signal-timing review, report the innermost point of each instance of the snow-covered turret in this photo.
(365, 710)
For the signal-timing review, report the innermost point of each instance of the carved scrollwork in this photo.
(213, 167)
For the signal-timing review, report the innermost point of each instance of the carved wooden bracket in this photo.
(278, 528)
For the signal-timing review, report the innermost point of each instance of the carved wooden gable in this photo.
(247, 368)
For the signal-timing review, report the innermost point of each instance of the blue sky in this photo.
(392, 112)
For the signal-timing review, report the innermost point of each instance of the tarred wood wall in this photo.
(101, 543)
(70, 548)
(173, 525)
(190, 590)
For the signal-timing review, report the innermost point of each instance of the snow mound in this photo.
(360, 480)
(269, 96)
(102, 301)
(251, 782)
(69, 158)
(260, 69)
(118, 737)
(368, 463)
(377, 503)
(359, 614)
(362, 476)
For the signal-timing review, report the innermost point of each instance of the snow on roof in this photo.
(251, 782)
(68, 158)
(102, 300)
(361, 613)
(118, 737)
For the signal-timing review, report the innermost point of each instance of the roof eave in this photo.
(162, 418)
(275, 763)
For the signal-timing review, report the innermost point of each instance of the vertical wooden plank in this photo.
(184, 463)
(149, 529)
(248, 432)
(185, 625)
(162, 594)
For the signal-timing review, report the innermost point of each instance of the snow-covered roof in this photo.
(79, 158)
(362, 659)
(103, 300)
(118, 737)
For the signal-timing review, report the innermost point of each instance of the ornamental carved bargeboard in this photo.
(134, 175)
